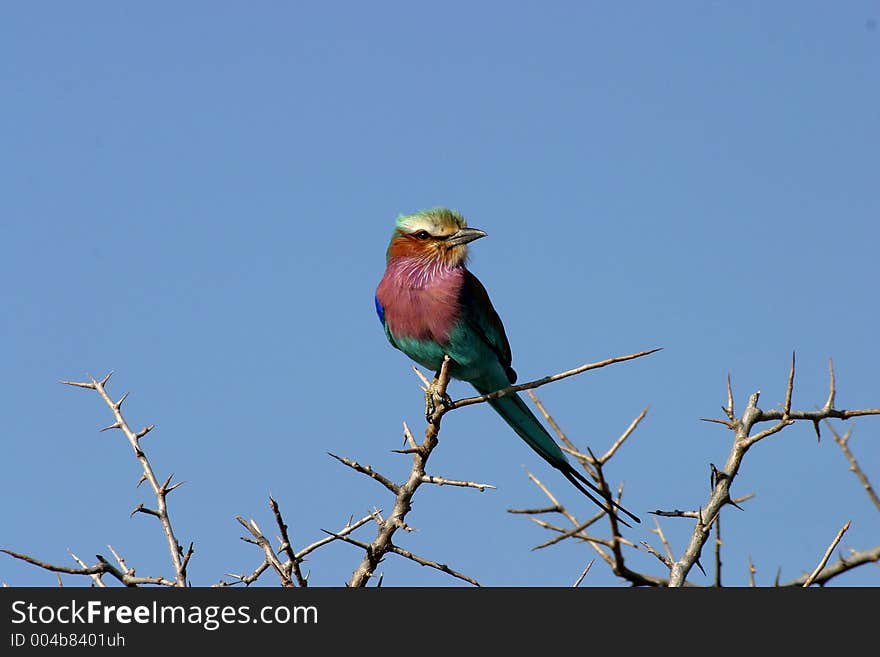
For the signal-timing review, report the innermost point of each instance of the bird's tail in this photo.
(513, 409)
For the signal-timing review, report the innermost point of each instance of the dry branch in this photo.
(827, 555)
(744, 439)
(179, 557)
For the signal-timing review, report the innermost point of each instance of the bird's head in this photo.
(434, 235)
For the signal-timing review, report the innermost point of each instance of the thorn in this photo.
(164, 486)
(140, 481)
(171, 488)
(832, 388)
(78, 384)
(115, 425)
(106, 378)
(700, 566)
(786, 408)
(421, 376)
(118, 404)
(143, 432)
(142, 509)
(732, 503)
(818, 431)
(729, 409)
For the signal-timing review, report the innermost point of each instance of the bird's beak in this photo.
(465, 235)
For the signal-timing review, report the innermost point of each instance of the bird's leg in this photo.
(430, 394)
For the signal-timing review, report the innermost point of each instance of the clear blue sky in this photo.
(198, 196)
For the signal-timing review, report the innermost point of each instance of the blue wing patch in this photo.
(380, 311)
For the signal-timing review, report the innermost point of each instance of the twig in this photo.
(103, 566)
(827, 555)
(666, 561)
(549, 379)
(583, 574)
(550, 419)
(842, 565)
(626, 434)
(659, 531)
(412, 557)
(843, 442)
(283, 569)
(442, 481)
(96, 577)
(367, 470)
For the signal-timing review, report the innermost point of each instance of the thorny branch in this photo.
(287, 563)
(438, 404)
(287, 566)
(746, 434)
(382, 545)
(288, 569)
(744, 438)
(179, 557)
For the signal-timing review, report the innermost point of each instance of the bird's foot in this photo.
(432, 398)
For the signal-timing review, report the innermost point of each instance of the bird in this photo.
(431, 306)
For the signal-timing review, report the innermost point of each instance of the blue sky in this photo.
(198, 196)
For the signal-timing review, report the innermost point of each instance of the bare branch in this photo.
(743, 441)
(436, 402)
(666, 561)
(442, 481)
(626, 434)
(368, 470)
(96, 577)
(550, 419)
(576, 531)
(160, 491)
(842, 565)
(827, 555)
(348, 529)
(550, 379)
(409, 555)
(543, 509)
(282, 569)
(103, 566)
(843, 442)
(676, 514)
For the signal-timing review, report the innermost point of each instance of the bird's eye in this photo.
(423, 235)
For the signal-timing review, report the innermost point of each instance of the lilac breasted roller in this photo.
(430, 305)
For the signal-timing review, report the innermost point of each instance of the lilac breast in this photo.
(419, 301)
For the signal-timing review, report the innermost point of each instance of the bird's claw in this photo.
(431, 399)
